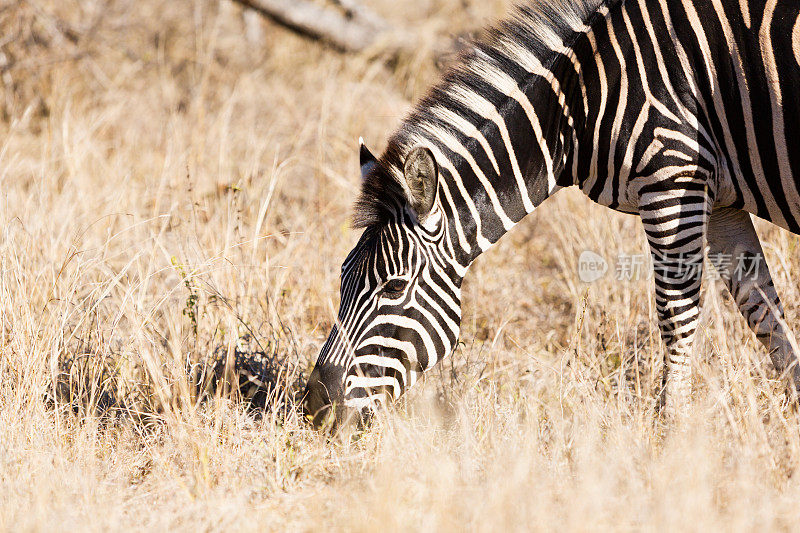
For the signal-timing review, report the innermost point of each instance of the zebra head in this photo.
(400, 305)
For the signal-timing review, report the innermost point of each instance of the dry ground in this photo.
(175, 195)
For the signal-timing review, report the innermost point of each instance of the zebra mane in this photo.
(380, 199)
(540, 26)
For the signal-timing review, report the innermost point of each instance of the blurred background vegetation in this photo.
(176, 181)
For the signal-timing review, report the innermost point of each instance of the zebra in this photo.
(683, 112)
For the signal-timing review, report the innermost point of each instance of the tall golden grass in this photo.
(175, 200)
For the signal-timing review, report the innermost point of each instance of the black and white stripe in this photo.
(685, 112)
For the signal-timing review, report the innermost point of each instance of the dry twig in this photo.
(352, 31)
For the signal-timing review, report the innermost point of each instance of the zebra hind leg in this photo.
(736, 252)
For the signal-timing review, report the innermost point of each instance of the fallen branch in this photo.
(353, 33)
(354, 10)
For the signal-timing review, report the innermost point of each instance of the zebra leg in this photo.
(675, 214)
(736, 252)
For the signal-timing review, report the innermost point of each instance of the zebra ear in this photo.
(368, 161)
(422, 178)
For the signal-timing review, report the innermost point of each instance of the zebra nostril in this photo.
(322, 398)
(317, 409)
(315, 397)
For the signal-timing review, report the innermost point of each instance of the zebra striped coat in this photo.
(685, 112)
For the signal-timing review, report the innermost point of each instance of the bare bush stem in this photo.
(355, 33)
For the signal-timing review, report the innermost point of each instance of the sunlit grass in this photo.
(175, 204)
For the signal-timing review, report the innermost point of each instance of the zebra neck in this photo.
(504, 125)
(493, 176)
(505, 140)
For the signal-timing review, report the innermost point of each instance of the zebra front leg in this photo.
(675, 214)
(735, 251)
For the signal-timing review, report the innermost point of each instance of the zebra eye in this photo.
(394, 288)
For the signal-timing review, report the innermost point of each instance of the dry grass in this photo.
(175, 199)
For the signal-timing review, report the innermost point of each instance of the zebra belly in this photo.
(779, 203)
